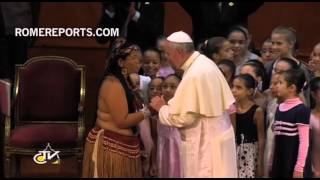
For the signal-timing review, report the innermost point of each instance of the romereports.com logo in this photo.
(66, 32)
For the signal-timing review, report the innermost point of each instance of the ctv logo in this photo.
(47, 155)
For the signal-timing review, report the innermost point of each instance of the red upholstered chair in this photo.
(48, 107)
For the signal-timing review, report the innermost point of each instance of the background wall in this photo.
(302, 16)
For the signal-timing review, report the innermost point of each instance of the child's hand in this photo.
(297, 174)
(157, 102)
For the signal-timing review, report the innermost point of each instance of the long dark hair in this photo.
(113, 69)
(231, 66)
(295, 77)
(213, 46)
(239, 28)
(259, 71)
(293, 64)
(249, 81)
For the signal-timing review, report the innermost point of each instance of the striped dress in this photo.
(286, 138)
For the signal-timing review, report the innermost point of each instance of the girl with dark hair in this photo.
(228, 69)
(266, 51)
(272, 105)
(217, 48)
(168, 138)
(154, 89)
(112, 147)
(291, 128)
(249, 128)
(257, 71)
(240, 38)
(314, 63)
(151, 62)
(284, 64)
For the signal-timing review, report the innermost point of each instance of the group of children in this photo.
(276, 116)
(160, 142)
(274, 96)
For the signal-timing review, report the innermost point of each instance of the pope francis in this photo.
(199, 109)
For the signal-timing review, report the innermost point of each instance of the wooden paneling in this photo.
(176, 19)
(87, 14)
(304, 17)
(70, 15)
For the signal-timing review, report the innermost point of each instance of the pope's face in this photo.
(172, 54)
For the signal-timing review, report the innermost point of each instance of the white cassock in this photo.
(199, 109)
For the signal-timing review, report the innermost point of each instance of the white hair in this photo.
(186, 47)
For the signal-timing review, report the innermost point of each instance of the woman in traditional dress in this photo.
(112, 147)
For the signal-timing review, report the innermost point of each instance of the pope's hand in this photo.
(157, 102)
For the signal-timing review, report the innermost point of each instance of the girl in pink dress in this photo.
(168, 154)
(154, 89)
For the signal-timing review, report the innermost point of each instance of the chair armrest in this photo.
(7, 130)
(81, 126)
(81, 108)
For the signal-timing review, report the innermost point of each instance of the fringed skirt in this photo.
(108, 154)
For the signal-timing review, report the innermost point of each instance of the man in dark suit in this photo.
(13, 50)
(140, 22)
(216, 18)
